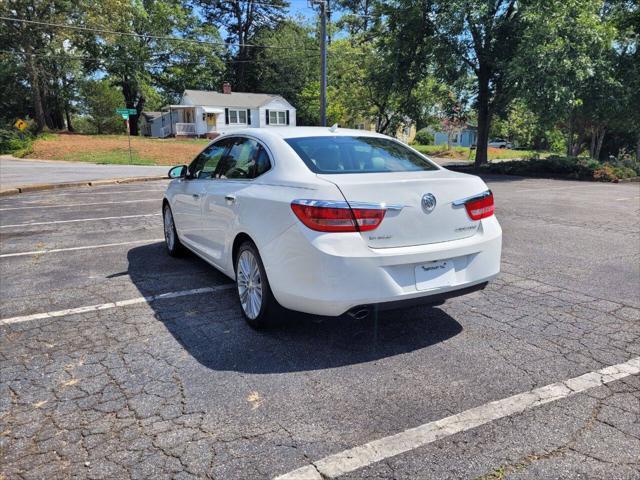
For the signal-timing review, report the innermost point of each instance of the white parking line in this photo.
(120, 303)
(81, 204)
(79, 220)
(87, 191)
(355, 458)
(71, 249)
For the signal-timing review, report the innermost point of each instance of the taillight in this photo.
(329, 216)
(481, 207)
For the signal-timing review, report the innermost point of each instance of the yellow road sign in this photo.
(20, 124)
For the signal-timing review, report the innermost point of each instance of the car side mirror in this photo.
(178, 172)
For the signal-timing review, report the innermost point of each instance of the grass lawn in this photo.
(115, 149)
(462, 153)
(154, 151)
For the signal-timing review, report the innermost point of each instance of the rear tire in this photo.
(258, 305)
(171, 240)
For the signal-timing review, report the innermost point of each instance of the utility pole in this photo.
(323, 59)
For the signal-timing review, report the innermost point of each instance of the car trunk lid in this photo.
(413, 223)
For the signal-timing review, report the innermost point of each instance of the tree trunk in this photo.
(570, 136)
(575, 148)
(133, 101)
(133, 119)
(484, 119)
(67, 114)
(601, 133)
(37, 97)
(592, 149)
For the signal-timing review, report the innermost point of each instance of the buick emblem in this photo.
(428, 202)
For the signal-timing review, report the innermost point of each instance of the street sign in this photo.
(124, 113)
(128, 111)
(20, 125)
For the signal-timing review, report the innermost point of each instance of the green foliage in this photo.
(424, 137)
(291, 73)
(100, 99)
(14, 142)
(554, 140)
(309, 101)
(519, 125)
(564, 167)
(114, 157)
(242, 21)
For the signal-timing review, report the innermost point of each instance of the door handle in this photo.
(196, 195)
(230, 198)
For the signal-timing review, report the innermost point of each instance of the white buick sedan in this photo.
(331, 221)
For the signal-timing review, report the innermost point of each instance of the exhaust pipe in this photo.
(359, 313)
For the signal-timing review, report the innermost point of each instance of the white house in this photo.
(209, 114)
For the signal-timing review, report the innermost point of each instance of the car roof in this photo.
(297, 132)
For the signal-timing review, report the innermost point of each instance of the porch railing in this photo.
(185, 129)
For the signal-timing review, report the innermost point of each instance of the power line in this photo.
(149, 62)
(258, 3)
(148, 36)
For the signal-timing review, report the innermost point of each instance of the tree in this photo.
(43, 54)
(462, 37)
(148, 53)
(518, 124)
(358, 17)
(99, 101)
(242, 20)
(287, 72)
(561, 68)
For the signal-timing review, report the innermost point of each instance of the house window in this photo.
(237, 117)
(277, 117)
(360, 126)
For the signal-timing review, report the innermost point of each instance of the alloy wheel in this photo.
(169, 235)
(249, 284)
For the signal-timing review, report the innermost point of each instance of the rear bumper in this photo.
(329, 274)
(432, 299)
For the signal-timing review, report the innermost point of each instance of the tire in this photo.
(257, 303)
(171, 240)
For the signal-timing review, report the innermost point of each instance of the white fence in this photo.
(186, 129)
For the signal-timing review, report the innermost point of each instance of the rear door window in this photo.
(341, 154)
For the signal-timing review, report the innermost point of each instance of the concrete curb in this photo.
(84, 183)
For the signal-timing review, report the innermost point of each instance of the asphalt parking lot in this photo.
(103, 376)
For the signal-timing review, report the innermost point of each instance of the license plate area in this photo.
(431, 275)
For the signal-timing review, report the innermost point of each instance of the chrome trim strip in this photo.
(343, 204)
(479, 196)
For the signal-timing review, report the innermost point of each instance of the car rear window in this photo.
(342, 154)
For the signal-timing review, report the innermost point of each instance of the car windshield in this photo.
(341, 154)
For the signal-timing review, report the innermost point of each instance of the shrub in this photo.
(606, 173)
(626, 160)
(565, 167)
(424, 137)
(14, 142)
